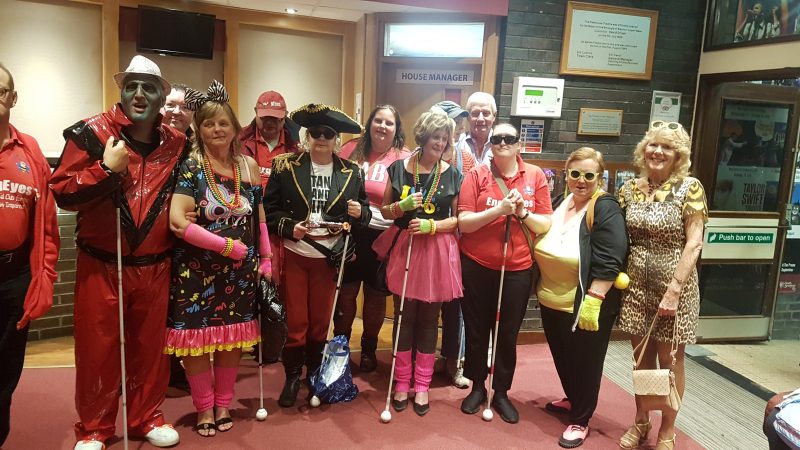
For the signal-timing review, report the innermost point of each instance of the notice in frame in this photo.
(531, 133)
(608, 41)
(600, 122)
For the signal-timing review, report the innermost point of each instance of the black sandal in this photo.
(223, 421)
(207, 427)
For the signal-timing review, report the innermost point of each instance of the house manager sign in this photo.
(424, 76)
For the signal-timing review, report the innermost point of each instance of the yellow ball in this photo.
(622, 281)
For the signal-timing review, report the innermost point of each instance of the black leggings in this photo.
(420, 325)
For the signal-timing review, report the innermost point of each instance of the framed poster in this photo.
(608, 41)
(666, 106)
(740, 23)
(600, 122)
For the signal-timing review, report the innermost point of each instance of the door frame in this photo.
(705, 131)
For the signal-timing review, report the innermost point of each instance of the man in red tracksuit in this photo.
(123, 158)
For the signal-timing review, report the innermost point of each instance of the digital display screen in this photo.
(534, 92)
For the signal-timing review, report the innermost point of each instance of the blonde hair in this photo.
(208, 110)
(432, 121)
(678, 137)
(584, 153)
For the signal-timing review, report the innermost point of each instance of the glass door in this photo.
(745, 159)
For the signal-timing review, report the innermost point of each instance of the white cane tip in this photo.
(386, 417)
(488, 415)
(314, 401)
(261, 414)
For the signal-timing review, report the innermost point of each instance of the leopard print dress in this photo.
(657, 234)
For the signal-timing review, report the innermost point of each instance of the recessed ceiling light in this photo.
(291, 11)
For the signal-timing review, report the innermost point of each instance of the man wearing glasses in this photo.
(270, 133)
(175, 113)
(29, 244)
(482, 112)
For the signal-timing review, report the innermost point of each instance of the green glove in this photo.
(406, 204)
(425, 227)
(590, 312)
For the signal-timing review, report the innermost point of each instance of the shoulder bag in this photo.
(655, 388)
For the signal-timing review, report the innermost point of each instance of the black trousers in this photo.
(479, 307)
(13, 286)
(579, 358)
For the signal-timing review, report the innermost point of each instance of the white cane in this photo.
(262, 413)
(314, 402)
(386, 416)
(487, 413)
(122, 334)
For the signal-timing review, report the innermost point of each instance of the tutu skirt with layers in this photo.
(434, 273)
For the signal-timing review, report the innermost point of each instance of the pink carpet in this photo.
(43, 414)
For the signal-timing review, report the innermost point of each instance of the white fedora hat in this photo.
(140, 64)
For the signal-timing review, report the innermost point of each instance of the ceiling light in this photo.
(291, 11)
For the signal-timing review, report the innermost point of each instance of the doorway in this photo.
(744, 154)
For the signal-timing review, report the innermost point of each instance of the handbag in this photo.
(655, 388)
(274, 330)
(380, 275)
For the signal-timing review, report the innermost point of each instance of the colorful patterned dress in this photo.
(212, 297)
(658, 236)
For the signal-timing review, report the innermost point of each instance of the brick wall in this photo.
(58, 321)
(532, 47)
(786, 319)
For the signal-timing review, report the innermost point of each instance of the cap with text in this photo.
(271, 104)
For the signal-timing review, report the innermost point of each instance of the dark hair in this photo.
(364, 145)
(10, 78)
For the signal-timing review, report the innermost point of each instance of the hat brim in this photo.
(266, 112)
(119, 78)
(319, 115)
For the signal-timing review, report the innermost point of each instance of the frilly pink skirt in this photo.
(196, 342)
(434, 273)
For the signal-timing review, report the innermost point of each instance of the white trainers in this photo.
(456, 370)
(89, 444)
(163, 436)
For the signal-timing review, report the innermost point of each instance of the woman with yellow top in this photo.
(579, 260)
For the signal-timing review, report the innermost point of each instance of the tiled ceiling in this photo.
(348, 10)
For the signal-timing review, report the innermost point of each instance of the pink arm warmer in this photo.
(265, 251)
(200, 237)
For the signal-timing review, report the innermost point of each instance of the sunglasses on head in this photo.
(661, 124)
(507, 138)
(577, 174)
(322, 131)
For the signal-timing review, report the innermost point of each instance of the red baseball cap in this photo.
(272, 104)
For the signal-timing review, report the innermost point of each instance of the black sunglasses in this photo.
(497, 139)
(322, 131)
(661, 123)
(588, 176)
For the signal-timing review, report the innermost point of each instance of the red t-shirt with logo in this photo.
(375, 177)
(17, 194)
(480, 192)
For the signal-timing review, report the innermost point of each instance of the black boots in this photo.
(293, 359)
(369, 362)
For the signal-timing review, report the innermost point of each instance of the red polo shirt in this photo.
(17, 193)
(480, 192)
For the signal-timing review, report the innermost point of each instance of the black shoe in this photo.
(421, 410)
(399, 405)
(472, 402)
(503, 405)
(556, 406)
(290, 390)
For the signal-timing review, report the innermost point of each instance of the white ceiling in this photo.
(348, 10)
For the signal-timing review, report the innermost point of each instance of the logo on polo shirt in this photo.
(23, 167)
(494, 202)
(528, 190)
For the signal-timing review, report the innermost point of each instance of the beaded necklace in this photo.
(212, 184)
(652, 187)
(427, 204)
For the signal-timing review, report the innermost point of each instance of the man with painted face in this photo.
(482, 111)
(123, 158)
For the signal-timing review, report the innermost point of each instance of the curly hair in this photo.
(679, 138)
(364, 145)
(432, 121)
(209, 110)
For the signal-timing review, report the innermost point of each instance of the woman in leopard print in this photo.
(665, 210)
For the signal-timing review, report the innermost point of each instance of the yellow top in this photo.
(557, 254)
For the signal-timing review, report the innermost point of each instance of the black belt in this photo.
(19, 255)
(129, 260)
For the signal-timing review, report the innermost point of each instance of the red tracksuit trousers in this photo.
(97, 349)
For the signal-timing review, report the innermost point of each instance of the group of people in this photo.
(206, 207)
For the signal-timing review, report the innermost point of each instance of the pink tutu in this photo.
(434, 274)
(196, 342)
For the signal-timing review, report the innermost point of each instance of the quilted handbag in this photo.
(655, 388)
